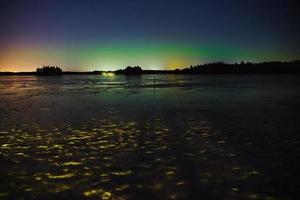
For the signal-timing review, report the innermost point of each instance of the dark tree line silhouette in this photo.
(211, 68)
(136, 70)
(244, 68)
(224, 68)
(49, 70)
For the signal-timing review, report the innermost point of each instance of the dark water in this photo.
(116, 137)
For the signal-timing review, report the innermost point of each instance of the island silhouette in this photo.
(49, 70)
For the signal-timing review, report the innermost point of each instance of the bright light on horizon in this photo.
(108, 74)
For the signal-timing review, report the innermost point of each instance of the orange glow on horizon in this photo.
(177, 63)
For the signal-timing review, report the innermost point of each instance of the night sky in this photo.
(157, 34)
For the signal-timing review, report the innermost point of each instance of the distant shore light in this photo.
(108, 74)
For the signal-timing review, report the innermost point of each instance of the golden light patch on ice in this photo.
(122, 173)
(93, 192)
(79, 138)
(254, 172)
(61, 187)
(28, 189)
(63, 176)
(104, 175)
(107, 146)
(180, 183)
(252, 196)
(108, 157)
(71, 163)
(236, 168)
(4, 145)
(38, 178)
(106, 195)
(3, 132)
(170, 173)
(21, 154)
(57, 146)
(122, 187)
(42, 147)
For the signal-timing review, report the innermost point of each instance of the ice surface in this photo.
(119, 137)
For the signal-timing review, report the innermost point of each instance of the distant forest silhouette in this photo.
(223, 68)
(49, 70)
(131, 70)
(211, 68)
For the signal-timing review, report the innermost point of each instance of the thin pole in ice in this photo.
(154, 83)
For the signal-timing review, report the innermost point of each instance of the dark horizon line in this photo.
(191, 69)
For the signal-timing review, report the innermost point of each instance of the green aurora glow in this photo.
(119, 54)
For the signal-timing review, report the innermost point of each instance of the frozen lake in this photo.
(118, 137)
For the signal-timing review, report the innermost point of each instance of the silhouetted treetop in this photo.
(49, 70)
(136, 70)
